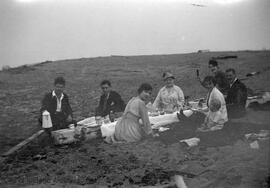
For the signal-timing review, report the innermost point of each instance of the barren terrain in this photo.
(222, 159)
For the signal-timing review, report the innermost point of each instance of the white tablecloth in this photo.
(156, 122)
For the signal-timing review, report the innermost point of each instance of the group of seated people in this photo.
(226, 93)
(233, 90)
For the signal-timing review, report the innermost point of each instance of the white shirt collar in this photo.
(107, 96)
(54, 95)
(59, 101)
(165, 87)
(233, 82)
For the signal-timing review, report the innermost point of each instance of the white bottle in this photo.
(46, 120)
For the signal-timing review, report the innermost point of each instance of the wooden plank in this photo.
(23, 143)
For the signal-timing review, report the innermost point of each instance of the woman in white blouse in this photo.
(216, 115)
(170, 98)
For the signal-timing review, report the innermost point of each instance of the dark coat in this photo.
(49, 103)
(113, 103)
(222, 82)
(236, 99)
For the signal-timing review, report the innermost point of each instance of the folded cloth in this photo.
(108, 129)
(261, 99)
(162, 129)
(191, 141)
(91, 121)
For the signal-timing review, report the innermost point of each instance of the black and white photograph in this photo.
(134, 93)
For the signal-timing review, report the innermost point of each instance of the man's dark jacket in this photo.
(222, 82)
(236, 99)
(49, 103)
(113, 103)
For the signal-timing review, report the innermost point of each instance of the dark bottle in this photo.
(186, 100)
(111, 116)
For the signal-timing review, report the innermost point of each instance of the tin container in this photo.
(46, 120)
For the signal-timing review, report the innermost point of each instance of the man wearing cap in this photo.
(170, 98)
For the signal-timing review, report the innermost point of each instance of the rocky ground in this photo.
(222, 159)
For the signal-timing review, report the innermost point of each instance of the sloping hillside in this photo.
(22, 88)
(222, 159)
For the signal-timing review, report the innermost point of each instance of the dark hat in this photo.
(167, 75)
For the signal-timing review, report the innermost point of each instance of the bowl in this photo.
(187, 113)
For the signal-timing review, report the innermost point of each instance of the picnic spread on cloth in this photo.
(88, 128)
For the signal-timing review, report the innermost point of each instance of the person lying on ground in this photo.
(56, 102)
(237, 95)
(219, 76)
(110, 101)
(170, 98)
(128, 128)
(216, 115)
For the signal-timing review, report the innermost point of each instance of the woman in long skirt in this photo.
(129, 128)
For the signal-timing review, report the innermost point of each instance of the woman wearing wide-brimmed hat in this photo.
(170, 98)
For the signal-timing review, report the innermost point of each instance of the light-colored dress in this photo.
(128, 127)
(216, 120)
(169, 99)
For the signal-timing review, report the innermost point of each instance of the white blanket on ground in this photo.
(265, 97)
(156, 122)
(65, 136)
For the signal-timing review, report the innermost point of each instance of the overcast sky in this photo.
(33, 31)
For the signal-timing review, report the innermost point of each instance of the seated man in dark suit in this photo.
(110, 101)
(57, 104)
(237, 96)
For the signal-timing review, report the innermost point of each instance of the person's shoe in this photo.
(108, 140)
(217, 127)
(203, 129)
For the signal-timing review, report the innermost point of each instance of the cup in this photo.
(98, 120)
(161, 112)
(71, 126)
(107, 119)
